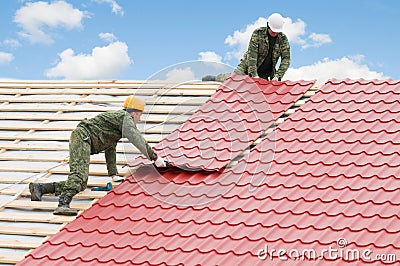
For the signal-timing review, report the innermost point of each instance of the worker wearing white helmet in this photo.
(98, 134)
(267, 45)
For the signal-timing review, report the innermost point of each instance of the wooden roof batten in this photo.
(31, 111)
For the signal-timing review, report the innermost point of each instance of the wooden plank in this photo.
(125, 86)
(83, 82)
(29, 157)
(133, 81)
(14, 180)
(155, 109)
(279, 121)
(31, 169)
(63, 169)
(153, 129)
(309, 93)
(90, 194)
(152, 138)
(18, 244)
(42, 146)
(290, 111)
(11, 258)
(59, 170)
(56, 108)
(44, 205)
(35, 217)
(46, 158)
(61, 90)
(27, 82)
(39, 127)
(300, 102)
(80, 195)
(178, 100)
(316, 86)
(29, 231)
(153, 118)
(46, 146)
(93, 182)
(37, 116)
(110, 92)
(27, 136)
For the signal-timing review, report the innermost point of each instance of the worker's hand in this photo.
(160, 162)
(275, 78)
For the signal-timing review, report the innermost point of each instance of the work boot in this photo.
(63, 206)
(208, 78)
(38, 189)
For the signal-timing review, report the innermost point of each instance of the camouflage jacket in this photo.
(105, 130)
(257, 52)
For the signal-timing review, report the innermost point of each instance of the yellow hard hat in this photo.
(133, 102)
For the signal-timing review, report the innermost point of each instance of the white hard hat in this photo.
(275, 22)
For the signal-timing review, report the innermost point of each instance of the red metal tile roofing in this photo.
(326, 182)
(230, 121)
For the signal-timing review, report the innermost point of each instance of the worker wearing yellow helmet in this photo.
(98, 134)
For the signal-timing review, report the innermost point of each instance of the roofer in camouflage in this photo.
(92, 136)
(267, 45)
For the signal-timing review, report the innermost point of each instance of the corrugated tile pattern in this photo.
(336, 168)
(235, 116)
(325, 182)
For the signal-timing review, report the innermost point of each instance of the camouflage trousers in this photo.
(79, 160)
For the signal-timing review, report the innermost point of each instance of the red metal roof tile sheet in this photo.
(235, 116)
(325, 188)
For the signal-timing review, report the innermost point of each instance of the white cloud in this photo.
(178, 75)
(103, 63)
(108, 37)
(295, 32)
(240, 39)
(35, 17)
(117, 9)
(5, 57)
(211, 59)
(345, 67)
(317, 40)
(12, 43)
(210, 56)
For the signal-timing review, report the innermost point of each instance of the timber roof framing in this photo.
(37, 118)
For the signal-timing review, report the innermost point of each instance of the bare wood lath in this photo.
(36, 119)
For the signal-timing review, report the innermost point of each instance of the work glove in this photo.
(257, 77)
(160, 162)
(117, 178)
(275, 78)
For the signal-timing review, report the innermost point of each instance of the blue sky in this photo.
(134, 40)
